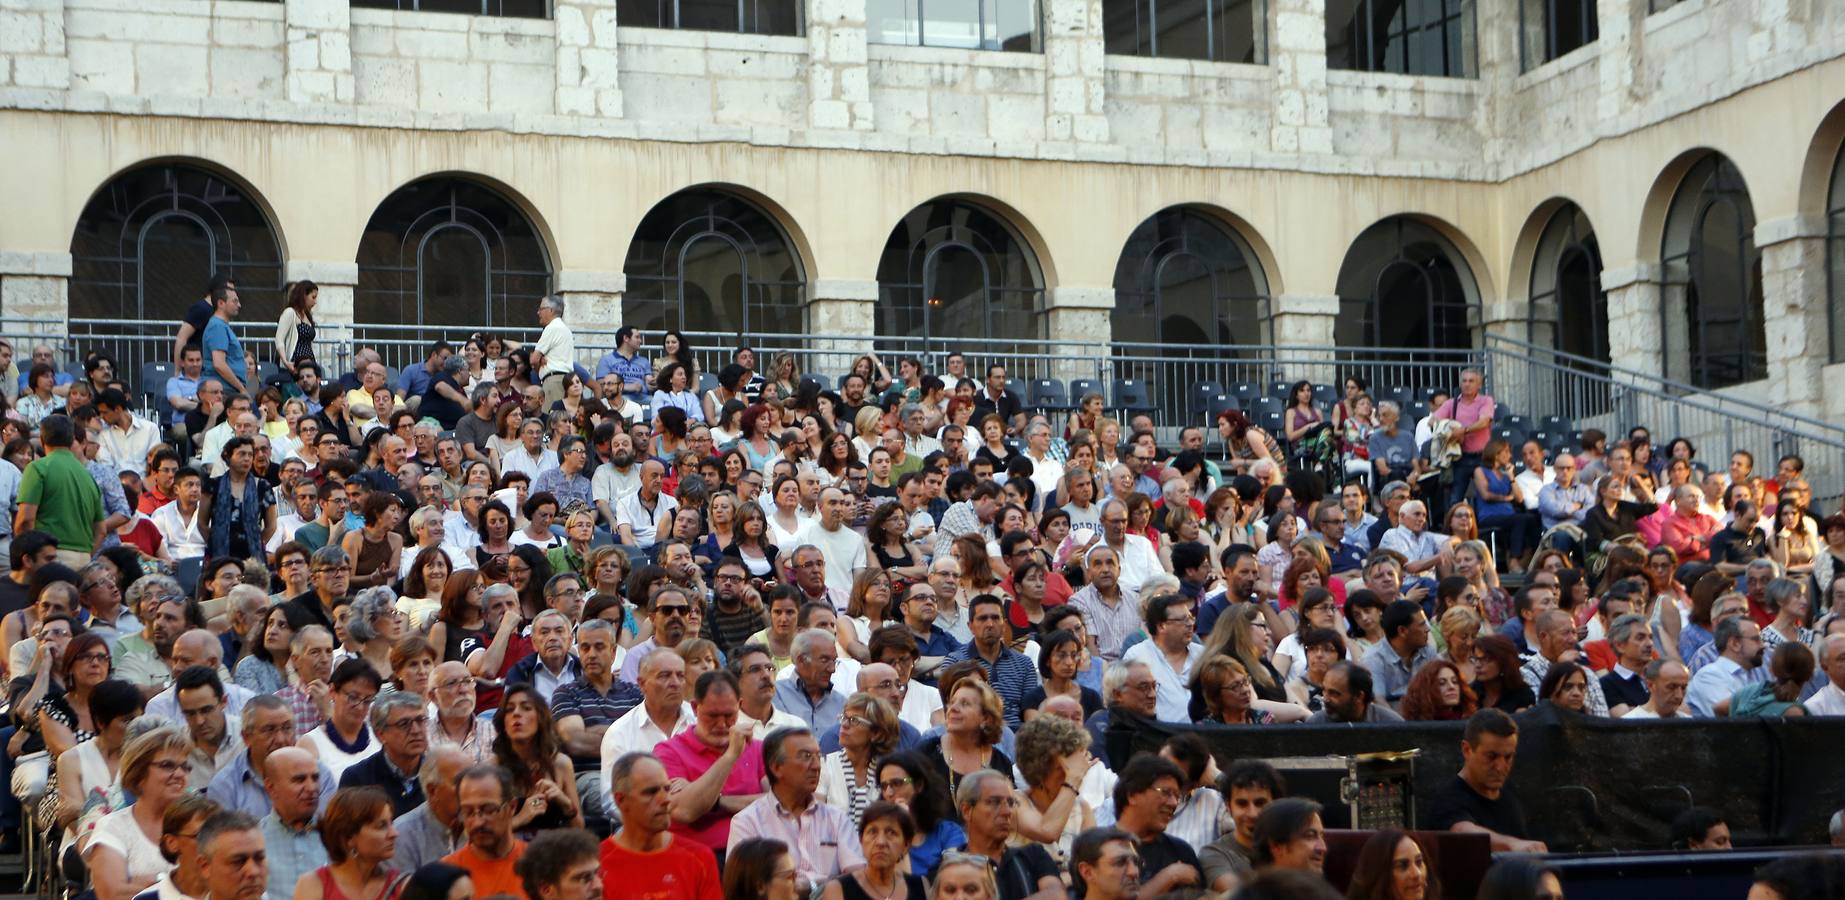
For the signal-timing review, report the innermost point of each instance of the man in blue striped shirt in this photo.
(1008, 671)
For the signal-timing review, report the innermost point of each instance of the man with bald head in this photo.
(842, 548)
(643, 516)
(293, 778)
(199, 647)
(880, 680)
(433, 829)
(662, 714)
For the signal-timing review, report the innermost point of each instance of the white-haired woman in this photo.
(375, 626)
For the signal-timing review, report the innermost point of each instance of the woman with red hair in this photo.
(1438, 693)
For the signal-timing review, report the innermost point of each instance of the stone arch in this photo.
(1711, 302)
(1194, 263)
(1425, 260)
(750, 260)
(961, 266)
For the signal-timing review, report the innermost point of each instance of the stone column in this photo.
(592, 302)
(1635, 336)
(1079, 322)
(842, 317)
(587, 81)
(319, 35)
(32, 53)
(1303, 323)
(1074, 89)
(1297, 55)
(1622, 57)
(333, 312)
(1794, 311)
(838, 70)
(34, 297)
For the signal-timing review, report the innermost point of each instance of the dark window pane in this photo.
(1713, 280)
(953, 269)
(1403, 285)
(643, 13)
(705, 260)
(709, 15)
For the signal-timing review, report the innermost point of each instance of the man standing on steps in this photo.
(555, 354)
(223, 351)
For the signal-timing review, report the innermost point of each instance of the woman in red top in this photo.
(360, 840)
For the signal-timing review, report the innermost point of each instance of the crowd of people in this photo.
(322, 636)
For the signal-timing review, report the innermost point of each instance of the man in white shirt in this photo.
(1666, 681)
(1535, 474)
(915, 442)
(555, 354)
(617, 478)
(662, 714)
(1139, 561)
(642, 517)
(1739, 643)
(1045, 471)
(238, 422)
(126, 438)
(843, 548)
(1170, 655)
(1412, 538)
(1830, 700)
(179, 521)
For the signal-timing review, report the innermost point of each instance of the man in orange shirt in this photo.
(645, 859)
(486, 798)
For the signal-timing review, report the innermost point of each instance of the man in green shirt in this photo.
(58, 496)
(316, 534)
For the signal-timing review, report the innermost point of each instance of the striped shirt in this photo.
(820, 837)
(1110, 626)
(1012, 676)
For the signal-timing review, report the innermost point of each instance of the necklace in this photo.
(896, 882)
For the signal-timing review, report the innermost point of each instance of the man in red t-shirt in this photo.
(644, 860)
(486, 796)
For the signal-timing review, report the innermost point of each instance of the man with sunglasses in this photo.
(671, 610)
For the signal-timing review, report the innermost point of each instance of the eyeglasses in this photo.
(454, 683)
(673, 610)
(283, 729)
(483, 810)
(358, 699)
(892, 784)
(412, 724)
(168, 767)
(856, 721)
(98, 656)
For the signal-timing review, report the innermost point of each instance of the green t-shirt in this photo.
(313, 536)
(68, 499)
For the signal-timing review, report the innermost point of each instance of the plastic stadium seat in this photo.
(1083, 387)
(1047, 393)
(1325, 395)
(1219, 405)
(1519, 422)
(188, 574)
(1397, 394)
(1429, 392)
(1417, 410)
(1266, 405)
(74, 369)
(1557, 441)
(390, 377)
(707, 381)
(1555, 424)
(1016, 386)
(1279, 389)
(826, 384)
(154, 377)
(1513, 436)
(1133, 395)
(266, 370)
(1271, 423)
(1199, 397)
(1246, 392)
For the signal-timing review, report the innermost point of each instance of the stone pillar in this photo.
(1794, 311)
(1078, 320)
(1303, 323)
(1075, 89)
(334, 310)
(838, 70)
(319, 35)
(32, 53)
(1496, 67)
(1635, 326)
(1621, 59)
(587, 81)
(592, 302)
(842, 317)
(34, 298)
(1297, 54)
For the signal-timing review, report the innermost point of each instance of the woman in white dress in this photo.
(124, 850)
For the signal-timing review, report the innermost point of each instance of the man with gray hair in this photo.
(1688, 530)
(433, 829)
(1046, 470)
(1413, 539)
(1557, 643)
(1739, 647)
(567, 482)
(662, 713)
(1624, 685)
(988, 813)
(809, 695)
(550, 665)
(1393, 451)
(331, 571)
(915, 442)
(310, 657)
(401, 722)
(267, 725)
(585, 708)
(555, 354)
(199, 647)
(1129, 684)
(1666, 681)
(1830, 700)
(820, 837)
(231, 856)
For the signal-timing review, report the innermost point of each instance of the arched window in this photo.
(1183, 278)
(1403, 285)
(523, 9)
(1568, 309)
(148, 243)
(1712, 305)
(951, 269)
(1835, 256)
(707, 260)
(1408, 37)
(446, 251)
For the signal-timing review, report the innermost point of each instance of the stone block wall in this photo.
(1385, 121)
(175, 48)
(33, 52)
(965, 100)
(442, 62)
(714, 78)
(1194, 108)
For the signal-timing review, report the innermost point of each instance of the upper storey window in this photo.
(1407, 37)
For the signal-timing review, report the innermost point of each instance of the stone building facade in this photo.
(315, 112)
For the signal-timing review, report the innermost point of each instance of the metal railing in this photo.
(1526, 379)
(1592, 394)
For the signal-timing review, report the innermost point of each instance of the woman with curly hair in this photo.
(868, 730)
(1437, 692)
(528, 747)
(1054, 754)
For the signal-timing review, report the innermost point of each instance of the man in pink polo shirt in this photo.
(1473, 409)
(715, 768)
